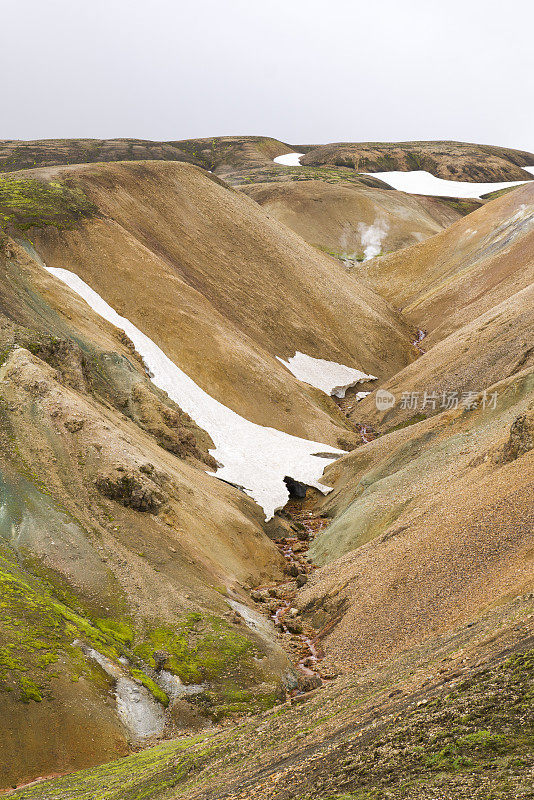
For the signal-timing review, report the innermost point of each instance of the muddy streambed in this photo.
(277, 601)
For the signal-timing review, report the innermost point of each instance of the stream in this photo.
(277, 600)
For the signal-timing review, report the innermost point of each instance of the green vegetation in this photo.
(152, 687)
(204, 649)
(407, 422)
(27, 203)
(498, 193)
(463, 206)
(138, 777)
(277, 172)
(121, 632)
(38, 632)
(29, 691)
(476, 741)
(199, 649)
(232, 700)
(341, 256)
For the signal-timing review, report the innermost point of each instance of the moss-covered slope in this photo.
(453, 719)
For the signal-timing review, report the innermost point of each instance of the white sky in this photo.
(304, 71)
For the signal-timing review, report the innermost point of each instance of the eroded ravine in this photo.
(278, 600)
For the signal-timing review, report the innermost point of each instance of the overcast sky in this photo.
(303, 71)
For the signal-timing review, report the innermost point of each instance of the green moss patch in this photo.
(27, 203)
(38, 631)
(200, 648)
(475, 742)
(139, 777)
(152, 687)
(205, 649)
(29, 691)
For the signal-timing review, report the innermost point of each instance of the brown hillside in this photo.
(224, 289)
(449, 160)
(432, 525)
(465, 270)
(338, 217)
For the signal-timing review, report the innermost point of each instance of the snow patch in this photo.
(254, 620)
(289, 159)
(422, 182)
(142, 715)
(174, 688)
(330, 377)
(252, 456)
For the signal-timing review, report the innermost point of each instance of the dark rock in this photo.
(309, 682)
(301, 580)
(160, 657)
(293, 624)
(74, 424)
(295, 488)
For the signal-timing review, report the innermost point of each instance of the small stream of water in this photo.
(296, 636)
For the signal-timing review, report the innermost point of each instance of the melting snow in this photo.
(328, 376)
(421, 182)
(289, 160)
(142, 715)
(174, 688)
(254, 620)
(252, 456)
(139, 711)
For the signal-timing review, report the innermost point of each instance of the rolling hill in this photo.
(190, 335)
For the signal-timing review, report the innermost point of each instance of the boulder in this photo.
(293, 624)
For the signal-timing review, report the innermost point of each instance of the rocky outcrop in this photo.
(521, 436)
(172, 428)
(132, 489)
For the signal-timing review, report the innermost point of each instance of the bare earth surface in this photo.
(158, 638)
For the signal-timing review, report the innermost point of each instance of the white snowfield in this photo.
(252, 456)
(289, 160)
(421, 182)
(330, 377)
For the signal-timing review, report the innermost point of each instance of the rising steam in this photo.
(372, 237)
